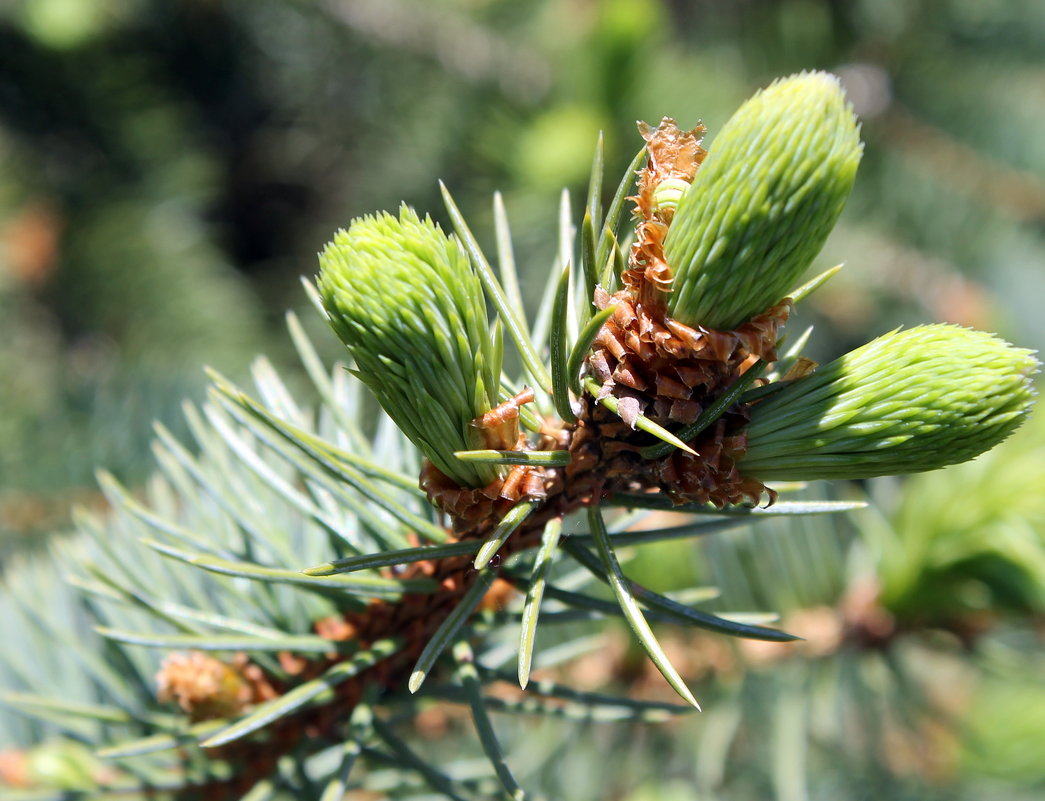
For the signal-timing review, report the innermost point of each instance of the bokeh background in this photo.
(168, 171)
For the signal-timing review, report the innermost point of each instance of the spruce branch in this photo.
(317, 589)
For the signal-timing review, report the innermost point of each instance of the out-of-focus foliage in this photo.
(113, 275)
(167, 170)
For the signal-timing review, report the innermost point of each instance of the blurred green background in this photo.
(169, 169)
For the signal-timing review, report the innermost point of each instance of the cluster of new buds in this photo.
(672, 391)
(745, 223)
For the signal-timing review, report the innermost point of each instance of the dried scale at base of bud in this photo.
(906, 402)
(673, 158)
(404, 299)
(763, 202)
(499, 429)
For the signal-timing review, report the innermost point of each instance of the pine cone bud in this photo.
(62, 764)
(906, 402)
(203, 686)
(405, 300)
(763, 202)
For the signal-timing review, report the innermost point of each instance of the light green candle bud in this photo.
(906, 402)
(405, 300)
(668, 193)
(63, 764)
(763, 202)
